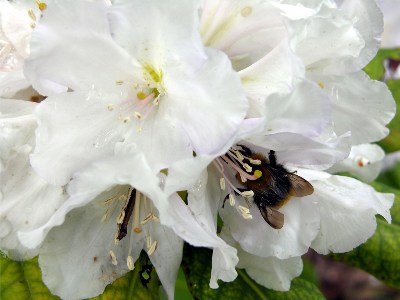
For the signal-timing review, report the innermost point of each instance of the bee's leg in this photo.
(272, 158)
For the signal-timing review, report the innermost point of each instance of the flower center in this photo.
(135, 205)
(145, 98)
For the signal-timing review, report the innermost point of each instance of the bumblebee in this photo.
(274, 187)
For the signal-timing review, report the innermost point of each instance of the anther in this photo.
(121, 217)
(126, 120)
(247, 168)
(222, 183)
(138, 115)
(148, 241)
(152, 248)
(248, 194)
(239, 155)
(32, 14)
(119, 82)
(148, 218)
(113, 258)
(130, 263)
(247, 216)
(243, 209)
(242, 178)
(232, 200)
(255, 162)
(110, 107)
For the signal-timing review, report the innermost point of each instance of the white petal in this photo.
(72, 47)
(245, 30)
(74, 129)
(368, 20)
(390, 161)
(171, 38)
(75, 257)
(277, 72)
(291, 113)
(22, 190)
(12, 82)
(197, 227)
(167, 258)
(258, 238)
(94, 180)
(364, 162)
(217, 105)
(271, 272)
(347, 208)
(360, 105)
(391, 34)
(297, 150)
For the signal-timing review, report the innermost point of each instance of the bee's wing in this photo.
(273, 217)
(300, 186)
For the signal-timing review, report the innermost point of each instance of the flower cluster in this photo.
(242, 104)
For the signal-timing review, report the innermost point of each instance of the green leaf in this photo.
(197, 268)
(391, 177)
(23, 280)
(375, 69)
(380, 255)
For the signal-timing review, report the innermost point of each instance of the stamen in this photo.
(148, 218)
(138, 115)
(247, 168)
(110, 107)
(232, 200)
(32, 14)
(239, 155)
(130, 262)
(113, 258)
(156, 101)
(119, 82)
(247, 194)
(255, 161)
(126, 120)
(243, 209)
(152, 248)
(222, 183)
(136, 222)
(239, 170)
(148, 241)
(121, 216)
(242, 178)
(247, 216)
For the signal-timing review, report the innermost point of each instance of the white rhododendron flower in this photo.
(391, 12)
(22, 190)
(17, 21)
(137, 86)
(364, 162)
(248, 106)
(102, 207)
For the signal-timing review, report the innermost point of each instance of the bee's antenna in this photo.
(272, 158)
